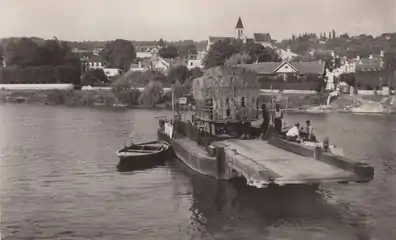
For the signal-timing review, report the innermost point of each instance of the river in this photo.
(59, 181)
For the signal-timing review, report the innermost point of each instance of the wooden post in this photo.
(317, 153)
(220, 159)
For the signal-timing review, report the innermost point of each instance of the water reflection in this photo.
(229, 209)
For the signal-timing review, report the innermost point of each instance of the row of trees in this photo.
(345, 45)
(40, 74)
(31, 61)
(177, 74)
(236, 52)
(25, 52)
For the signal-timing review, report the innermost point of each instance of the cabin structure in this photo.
(226, 94)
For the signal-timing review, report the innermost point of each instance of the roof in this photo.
(81, 51)
(262, 37)
(310, 67)
(215, 39)
(362, 67)
(239, 23)
(302, 67)
(95, 58)
(144, 55)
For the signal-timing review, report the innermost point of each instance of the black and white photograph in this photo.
(198, 119)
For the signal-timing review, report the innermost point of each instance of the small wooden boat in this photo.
(143, 155)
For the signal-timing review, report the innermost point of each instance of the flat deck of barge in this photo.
(268, 162)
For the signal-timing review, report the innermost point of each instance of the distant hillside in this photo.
(90, 45)
(344, 45)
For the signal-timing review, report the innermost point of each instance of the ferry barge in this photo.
(217, 139)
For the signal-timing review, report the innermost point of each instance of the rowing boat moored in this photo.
(143, 155)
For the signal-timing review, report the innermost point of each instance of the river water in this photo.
(59, 181)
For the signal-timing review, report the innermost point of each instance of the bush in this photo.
(94, 77)
(125, 90)
(151, 94)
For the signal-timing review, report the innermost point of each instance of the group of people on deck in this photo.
(294, 134)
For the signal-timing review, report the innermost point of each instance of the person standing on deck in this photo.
(278, 116)
(245, 120)
(266, 119)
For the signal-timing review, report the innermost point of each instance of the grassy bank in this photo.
(106, 98)
(97, 98)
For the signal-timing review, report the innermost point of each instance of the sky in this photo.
(172, 20)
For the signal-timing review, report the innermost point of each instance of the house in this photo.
(2, 61)
(195, 64)
(84, 55)
(157, 63)
(261, 38)
(287, 55)
(112, 72)
(94, 61)
(286, 67)
(289, 75)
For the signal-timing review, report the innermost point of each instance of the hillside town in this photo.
(302, 64)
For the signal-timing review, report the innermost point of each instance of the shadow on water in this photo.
(124, 166)
(233, 204)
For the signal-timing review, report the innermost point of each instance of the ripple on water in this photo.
(59, 181)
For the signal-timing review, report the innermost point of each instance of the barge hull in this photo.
(263, 163)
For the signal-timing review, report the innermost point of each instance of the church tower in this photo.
(239, 30)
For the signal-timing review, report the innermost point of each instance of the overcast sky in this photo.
(190, 19)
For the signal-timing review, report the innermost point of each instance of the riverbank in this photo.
(307, 103)
(72, 98)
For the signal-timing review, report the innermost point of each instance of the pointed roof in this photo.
(239, 23)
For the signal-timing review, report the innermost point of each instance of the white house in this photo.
(94, 61)
(194, 64)
(111, 72)
(287, 55)
(157, 63)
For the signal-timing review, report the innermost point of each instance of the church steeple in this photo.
(239, 29)
(239, 24)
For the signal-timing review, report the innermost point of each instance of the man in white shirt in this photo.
(293, 134)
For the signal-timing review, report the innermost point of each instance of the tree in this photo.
(196, 73)
(119, 54)
(161, 43)
(390, 60)
(151, 94)
(20, 52)
(259, 53)
(187, 50)
(169, 52)
(52, 53)
(94, 77)
(178, 73)
(125, 89)
(220, 51)
(239, 58)
(154, 75)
